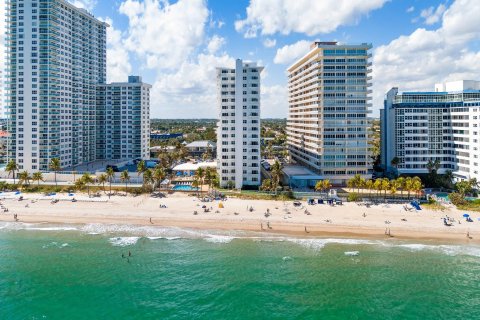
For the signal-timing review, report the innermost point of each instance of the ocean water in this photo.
(59, 272)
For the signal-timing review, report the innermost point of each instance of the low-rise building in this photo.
(198, 148)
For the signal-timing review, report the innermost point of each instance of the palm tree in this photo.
(417, 185)
(266, 185)
(196, 183)
(323, 185)
(110, 174)
(102, 179)
(369, 186)
(385, 185)
(55, 167)
(125, 177)
(209, 176)
(276, 171)
(158, 176)
(408, 186)
(433, 166)
(148, 177)
(395, 161)
(11, 168)
(141, 167)
(200, 174)
(377, 185)
(37, 176)
(87, 180)
(24, 177)
(79, 184)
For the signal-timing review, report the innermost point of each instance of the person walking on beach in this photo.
(151, 220)
(306, 231)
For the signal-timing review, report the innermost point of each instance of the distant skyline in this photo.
(176, 45)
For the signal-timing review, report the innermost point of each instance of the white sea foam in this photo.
(219, 238)
(55, 244)
(451, 250)
(318, 244)
(287, 258)
(164, 238)
(123, 241)
(351, 253)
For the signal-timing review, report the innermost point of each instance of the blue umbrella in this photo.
(466, 215)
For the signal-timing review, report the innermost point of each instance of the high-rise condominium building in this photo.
(2, 106)
(443, 125)
(56, 59)
(327, 127)
(238, 133)
(123, 120)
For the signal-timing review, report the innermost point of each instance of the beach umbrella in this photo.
(466, 215)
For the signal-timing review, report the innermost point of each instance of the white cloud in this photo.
(270, 43)
(191, 90)
(410, 9)
(432, 15)
(304, 16)
(289, 53)
(118, 59)
(274, 100)
(84, 4)
(164, 34)
(425, 57)
(215, 43)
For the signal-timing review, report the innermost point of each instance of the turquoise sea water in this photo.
(54, 272)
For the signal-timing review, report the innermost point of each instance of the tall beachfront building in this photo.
(2, 93)
(439, 125)
(238, 133)
(56, 59)
(329, 103)
(123, 120)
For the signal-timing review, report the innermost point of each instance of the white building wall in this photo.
(238, 143)
(429, 126)
(329, 103)
(56, 58)
(124, 120)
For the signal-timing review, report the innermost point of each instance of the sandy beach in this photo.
(347, 220)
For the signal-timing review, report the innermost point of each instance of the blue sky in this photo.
(176, 45)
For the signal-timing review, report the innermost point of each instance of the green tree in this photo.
(11, 168)
(395, 162)
(385, 185)
(102, 179)
(369, 186)
(417, 185)
(266, 185)
(200, 174)
(24, 178)
(110, 175)
(37, 176)
(158, 176)
(141, 167)
(276, 172)
(55, 167)
(87, 180)
(79, 185)
(125, 177)
(209, 177)
(148, 177)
